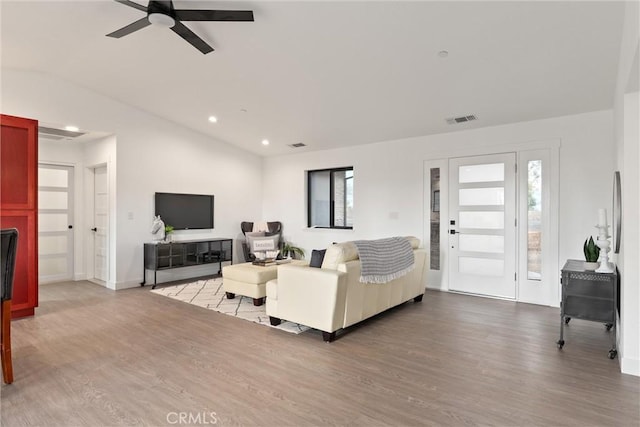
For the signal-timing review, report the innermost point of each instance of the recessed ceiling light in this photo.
(265, 142)
(72, 128)
(443, 54)
(213, 119)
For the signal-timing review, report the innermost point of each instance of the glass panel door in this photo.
(482, 237)
(55, 223)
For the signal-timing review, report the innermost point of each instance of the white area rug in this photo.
(209, 294)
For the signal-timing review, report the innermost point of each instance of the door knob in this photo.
(94, 229)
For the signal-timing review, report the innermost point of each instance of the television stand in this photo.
(187, 253)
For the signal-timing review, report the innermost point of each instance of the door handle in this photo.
(454, 232)
(94, 229)
(70, 227)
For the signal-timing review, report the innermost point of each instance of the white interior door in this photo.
(55, 223)
(100, 224)
(482, 225)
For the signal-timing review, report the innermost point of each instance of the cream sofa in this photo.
(332, 297)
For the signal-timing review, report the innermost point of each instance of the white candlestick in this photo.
(602, 217)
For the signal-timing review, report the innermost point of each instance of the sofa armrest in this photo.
(310, 296)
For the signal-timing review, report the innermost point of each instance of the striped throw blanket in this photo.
(383, 260)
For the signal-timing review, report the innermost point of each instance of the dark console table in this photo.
(590, 296)
(186, 253)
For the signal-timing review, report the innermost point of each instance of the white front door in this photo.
(55, 223)
(482, 225)
(100, 224)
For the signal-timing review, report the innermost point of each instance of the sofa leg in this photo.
(328, 336)
(230, 295)
(274, 321)
(418, 298)
(258, 301)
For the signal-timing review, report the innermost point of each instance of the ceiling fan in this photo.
(162, 13)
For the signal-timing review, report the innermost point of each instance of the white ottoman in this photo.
(250, 280)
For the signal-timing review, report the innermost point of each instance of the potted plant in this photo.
(591, 254)
(290, 251)
(168, 229)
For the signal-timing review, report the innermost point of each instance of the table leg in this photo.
(561, 340)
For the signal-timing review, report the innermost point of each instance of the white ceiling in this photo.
(332, 73)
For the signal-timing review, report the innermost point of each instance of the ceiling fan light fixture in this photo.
(161, 13)
(161, 20)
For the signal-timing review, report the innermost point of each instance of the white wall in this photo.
(389, 179)
(158, 156)
(152, 155)
(627, 155)
(630, 243)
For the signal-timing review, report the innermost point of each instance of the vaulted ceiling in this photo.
(332, 73)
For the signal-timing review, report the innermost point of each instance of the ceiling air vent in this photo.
(297, 145)
(461, 119)
(57, 134)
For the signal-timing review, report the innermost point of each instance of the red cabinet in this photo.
(19, 205)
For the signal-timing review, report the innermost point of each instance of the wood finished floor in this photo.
(93, 357)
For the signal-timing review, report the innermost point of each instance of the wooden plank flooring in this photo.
(93, 357)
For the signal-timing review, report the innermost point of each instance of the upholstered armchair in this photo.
(274, 227)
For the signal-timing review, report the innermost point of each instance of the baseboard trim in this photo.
(630, 366)
(79, 276)
(128, 284)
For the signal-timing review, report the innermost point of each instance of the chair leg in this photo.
(5, 342)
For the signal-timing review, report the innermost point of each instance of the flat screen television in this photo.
(185, 211)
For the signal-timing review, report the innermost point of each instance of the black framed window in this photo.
(330, 198)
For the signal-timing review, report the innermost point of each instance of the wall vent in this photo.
(461, 119)
(297, 145)
(57, 134)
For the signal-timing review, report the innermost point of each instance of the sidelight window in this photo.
(534, 216)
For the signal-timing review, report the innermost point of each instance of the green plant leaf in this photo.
(591, 250)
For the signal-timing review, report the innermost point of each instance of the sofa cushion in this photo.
(317, 256)
(339, 253)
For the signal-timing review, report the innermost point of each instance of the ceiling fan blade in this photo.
(191, 37)
(138, 25)
(214, 15)
(132, 4)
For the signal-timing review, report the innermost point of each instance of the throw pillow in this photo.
(317, 256)
(250, 235)
(339, 253)
(264, 243)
